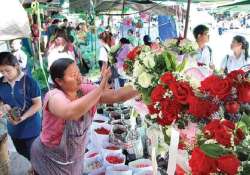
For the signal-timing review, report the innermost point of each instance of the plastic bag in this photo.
(14, 21)
(120, 169)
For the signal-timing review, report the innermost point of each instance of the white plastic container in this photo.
(119, 156)
(100, 171)
(141, 165)
(144, 173)
(100, 119)
(100, 139)
(118, 170)
(110, 149)
(92, 161)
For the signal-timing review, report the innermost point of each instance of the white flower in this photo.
(145, 80)
(149, 61)
(154, 116)
(138, 69)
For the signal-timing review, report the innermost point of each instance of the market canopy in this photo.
(118, 5)
(241, 6)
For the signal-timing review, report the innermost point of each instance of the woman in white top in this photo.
(106, 43)
(239, 58)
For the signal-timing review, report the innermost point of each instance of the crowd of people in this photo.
(55, 143)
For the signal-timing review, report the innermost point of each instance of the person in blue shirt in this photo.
(20, 91)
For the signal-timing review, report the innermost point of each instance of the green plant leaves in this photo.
(214, 150)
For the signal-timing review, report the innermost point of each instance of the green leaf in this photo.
(181, 66)
(246, 119)
(214, 150)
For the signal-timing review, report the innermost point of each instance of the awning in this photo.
(101, 6)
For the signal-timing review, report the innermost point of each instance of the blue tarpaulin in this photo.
(167, 27)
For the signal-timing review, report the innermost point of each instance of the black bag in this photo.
(83, 66)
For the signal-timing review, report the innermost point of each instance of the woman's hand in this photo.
(14, 122)
(106, 74)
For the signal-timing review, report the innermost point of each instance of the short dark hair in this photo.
(65, 20)
(147, 40)
(130, 31)
(58, 68)
(55, 21)
(199, 30)
(124, 41)
(7, 58)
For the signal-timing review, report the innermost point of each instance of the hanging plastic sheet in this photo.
(167, 27)
(14, 22)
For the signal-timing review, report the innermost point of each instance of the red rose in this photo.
(211, 128)
(170, 110)
(220, 131)
(221, 88)
(236, 75)
(201, 108)
(232, 107)
(244, 92)
(167, 78)
(157, 93)
(182, 91)
(208, 82)
(228, 124)
(151, 109)
(217, 87)
(201, 164)
(223, 137)
(239, 136)
(228, 164)
(134, 53)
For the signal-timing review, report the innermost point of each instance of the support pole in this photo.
(187, 18)
(123, 8)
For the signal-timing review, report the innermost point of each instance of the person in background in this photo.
(105, 39)
(121, 55)
(239, 57)
(67, 116)
(81, 31)
(147, 40)
(131, 37)
(52, 29)
(124, 48)
(60, 44)
(17, 51)
(204, 57)
(22, 94)
(157, 40)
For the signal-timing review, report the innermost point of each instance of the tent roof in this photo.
(141, 6)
